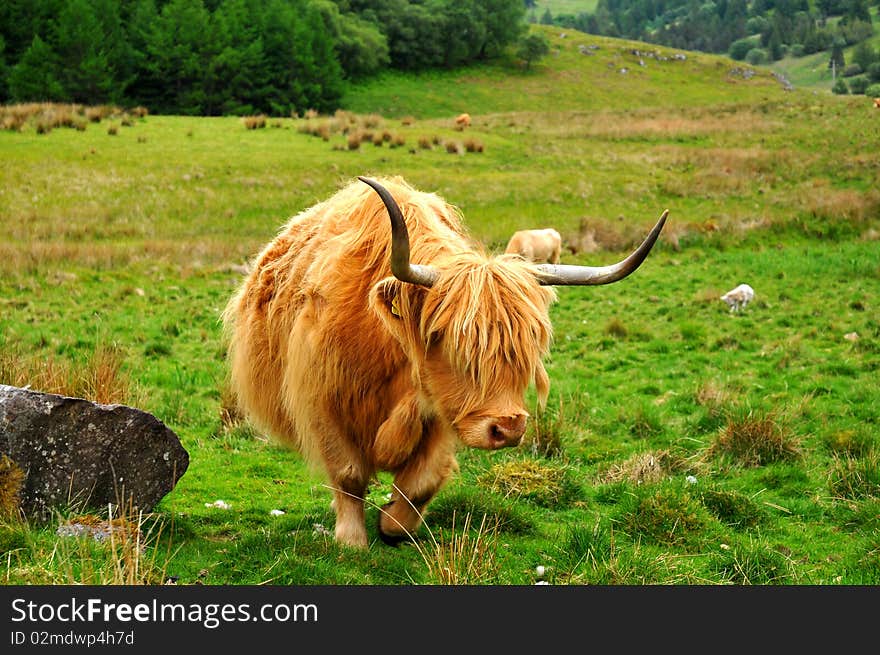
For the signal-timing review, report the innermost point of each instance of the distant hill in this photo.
(582, 72)
(798, 37)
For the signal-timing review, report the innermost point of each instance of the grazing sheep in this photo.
(536, 245)
(463, 120)
(739, 297)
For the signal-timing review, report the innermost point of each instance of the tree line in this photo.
(215, 57)
(759, 31)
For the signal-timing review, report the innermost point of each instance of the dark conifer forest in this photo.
(214, 57)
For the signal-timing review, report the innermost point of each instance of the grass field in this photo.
(559, 7)
(682, 444)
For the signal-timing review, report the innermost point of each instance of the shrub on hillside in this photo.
(852, 70)
(757, 56)
(859, 84)
(740, 48)
(874, 71)
(840, 87)
(873, 91)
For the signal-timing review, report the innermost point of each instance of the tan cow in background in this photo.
(373, 334)
(462, 121)
(536, 245)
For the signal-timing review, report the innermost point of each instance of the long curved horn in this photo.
(562, 274)
(400, 265)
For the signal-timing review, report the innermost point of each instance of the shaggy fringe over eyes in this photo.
(491, 316)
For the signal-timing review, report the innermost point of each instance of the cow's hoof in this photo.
(392, 539)
(389, 539)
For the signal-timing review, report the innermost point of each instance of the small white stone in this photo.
(219, 504)
(691, 479)
(540, 570)
(276, 512)
(725, 547)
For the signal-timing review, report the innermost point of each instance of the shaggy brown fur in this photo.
(536, 245)
(362, 372)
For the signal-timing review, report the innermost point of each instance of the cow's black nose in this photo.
(507, 430)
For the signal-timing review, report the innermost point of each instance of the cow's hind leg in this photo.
(415, 484)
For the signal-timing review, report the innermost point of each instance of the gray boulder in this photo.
(76, 453)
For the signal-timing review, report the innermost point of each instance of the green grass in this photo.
(558, 7)
(566, 80)
(130, 244)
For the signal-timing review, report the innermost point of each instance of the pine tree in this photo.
(837, 61)
(87, 74)
(3, 71)
(176, 58)
(35, 77)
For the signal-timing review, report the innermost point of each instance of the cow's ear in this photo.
(388, 301)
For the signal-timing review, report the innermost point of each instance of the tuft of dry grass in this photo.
(544, 437)
(710, 394)
(616, 328)
(855, 478)
(254, 122)
(454, 148)
(848, 205)
(645, 468)
(528, 479)
(473, 145)
(11, 481)
(230, 414)
(123, 549)
(755, 439)
(100, 379)
(465, 557)
(46, 116)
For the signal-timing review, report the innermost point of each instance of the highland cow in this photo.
(373, 335)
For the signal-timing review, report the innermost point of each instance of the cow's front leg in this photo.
(349, 475)
(415, 484)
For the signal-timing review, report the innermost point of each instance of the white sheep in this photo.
(536, 245)
(739, 297)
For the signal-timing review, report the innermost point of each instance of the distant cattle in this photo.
(877, 103)
(536, 245)
(372, 334)
(463, 120)
(738, 297)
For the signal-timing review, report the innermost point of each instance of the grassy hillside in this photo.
(682, 443)
(558, 7)
(812, 71)
(609, 77)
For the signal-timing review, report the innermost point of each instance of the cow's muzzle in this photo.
(507, 431)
